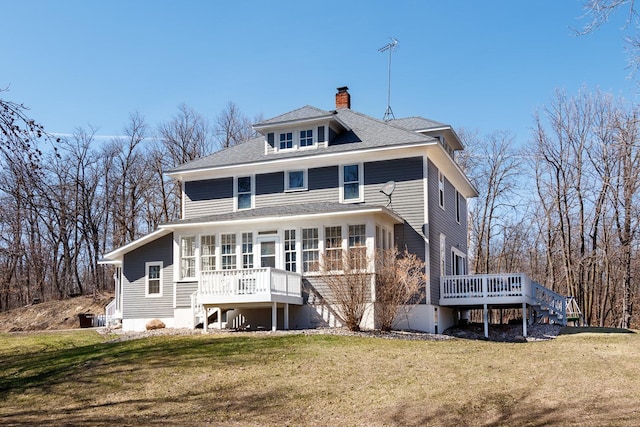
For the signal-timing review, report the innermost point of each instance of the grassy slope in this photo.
(79, 378)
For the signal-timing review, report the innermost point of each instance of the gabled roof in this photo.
(362, 132)
(301, 114)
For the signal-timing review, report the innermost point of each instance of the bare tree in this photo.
(599, 12)
(232, 127)
(349, 285)
(400, 283)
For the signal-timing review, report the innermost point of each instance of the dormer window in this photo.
(286, 140)
(306, 138)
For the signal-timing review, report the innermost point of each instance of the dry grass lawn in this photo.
(80, 378)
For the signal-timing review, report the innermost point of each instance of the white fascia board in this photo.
(453, 172)
(290, 123)
(115, 256)
(313, 159)
(271, 219)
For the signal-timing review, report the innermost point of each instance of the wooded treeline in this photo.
(65, 202)
(563, 209)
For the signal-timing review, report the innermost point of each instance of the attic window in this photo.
(286, 140)
(306, 138)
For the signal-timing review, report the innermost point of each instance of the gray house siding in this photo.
(444, 221)
(322, 186)
(207, 197)
(184, 290)
(135, 304)
(407, 199)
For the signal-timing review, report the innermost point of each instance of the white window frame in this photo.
(457, 253)
(359, 249)
(236, 194)
(441, 189)
(296, 139)
(194, 257)
(333, 254)
(287, 186)
(147, 265)
(233, 254)
(247, 246)
(316, 250)
(443, 255)
(213, 255)
(360, 197)
(290, 247)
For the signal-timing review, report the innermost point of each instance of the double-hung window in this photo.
(290, 250)
(247, 250)
(310, 252)
(286, 140)
(244, 192)
(228, 251)
(351, 183)
(357, 246)
(333, 248)
(207, 253)
(187, 257)
(306, 138)
(153, 275)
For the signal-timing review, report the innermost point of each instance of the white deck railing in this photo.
(486, 286)
(266, 281)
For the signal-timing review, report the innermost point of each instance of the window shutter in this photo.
(270, 138)
(320, 133)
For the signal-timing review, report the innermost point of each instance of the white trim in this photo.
(457, 252)
(252, 177)
(115, 256)
(426, 228)
(270, 219)
(146, 279)
(360, 197)
(441, 189)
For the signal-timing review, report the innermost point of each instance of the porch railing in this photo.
(485, 286)
(250, 281)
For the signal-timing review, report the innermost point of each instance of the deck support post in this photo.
(274, 316)
(486, 321)
(286, 316)
(219, 310)
(205, 321)
(524, 319)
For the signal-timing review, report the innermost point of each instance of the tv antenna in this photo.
(387, 190)
(391, 47)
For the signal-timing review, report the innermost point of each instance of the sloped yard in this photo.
(82, 377)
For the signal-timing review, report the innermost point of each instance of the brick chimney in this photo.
(343, 99)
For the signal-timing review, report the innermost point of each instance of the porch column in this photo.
(524, 319)
(286, 316)
(486, 321)
(274, 316)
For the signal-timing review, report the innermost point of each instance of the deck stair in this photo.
(549, 306)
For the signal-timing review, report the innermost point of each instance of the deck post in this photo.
(205, 321)
(486, 321)
(219, 317)
(286, 316)
(274, 316)
(524, 319)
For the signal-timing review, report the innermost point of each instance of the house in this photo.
(257, 218)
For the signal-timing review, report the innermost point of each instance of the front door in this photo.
(268, 252)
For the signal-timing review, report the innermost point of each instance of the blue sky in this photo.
(479, 65)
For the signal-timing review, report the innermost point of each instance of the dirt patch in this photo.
(505, 333)
(53, 315)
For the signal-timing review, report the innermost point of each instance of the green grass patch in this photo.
(246, 379)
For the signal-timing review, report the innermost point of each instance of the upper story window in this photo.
(296, 138)
(286, 140)
(295, 180)
(351, 179)
(244, 190)
(153, 276)
(458, 207)
(441, 189)
(306, 138)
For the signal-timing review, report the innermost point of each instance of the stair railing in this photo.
(551, 301)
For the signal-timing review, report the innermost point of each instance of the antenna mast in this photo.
(391, 47)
